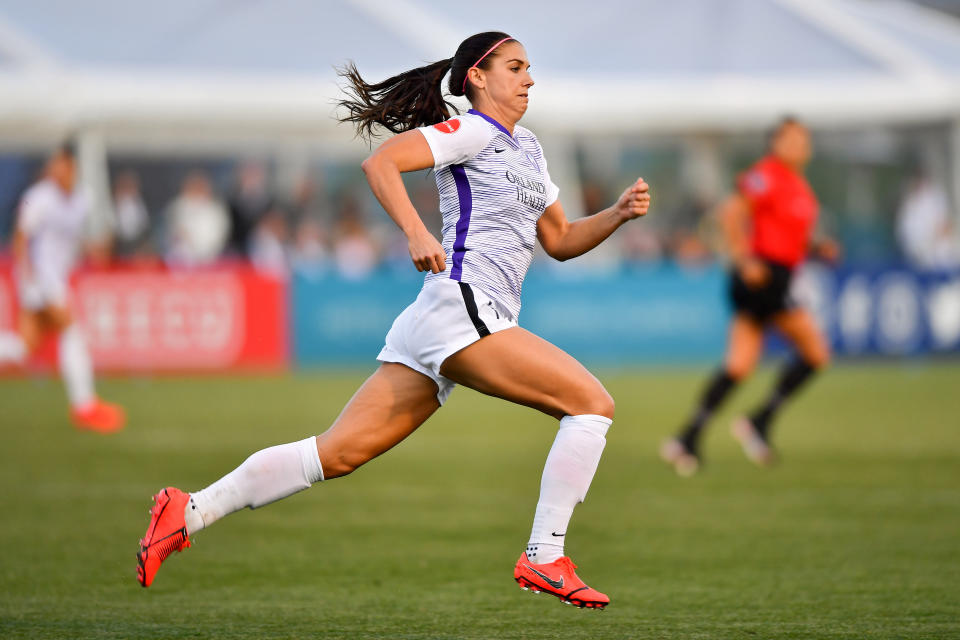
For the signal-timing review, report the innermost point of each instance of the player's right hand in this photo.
(635, 200)
(754, 273)
(427, 254)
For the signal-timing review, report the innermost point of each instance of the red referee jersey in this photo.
(783, 211)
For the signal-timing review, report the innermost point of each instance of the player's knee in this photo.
(738, 370)
(607, 405)
(598, 403)
(30, 341)
(820, 357)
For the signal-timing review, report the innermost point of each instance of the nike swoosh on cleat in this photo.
(556, 584)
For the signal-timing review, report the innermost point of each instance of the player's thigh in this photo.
(799, 327)
(521, 367)
(744, 346)
(388, 407)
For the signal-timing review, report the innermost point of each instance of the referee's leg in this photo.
(813, 354)
(744, 346)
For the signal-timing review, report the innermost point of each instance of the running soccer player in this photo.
(767, 225)
(48, 237)
(497, 200)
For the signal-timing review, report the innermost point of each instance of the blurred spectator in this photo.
(424, 196)
(304, 202)
(924, 226)
(641, 243)
(197, 224)
(685, 244)
(310, 255)
(594, 197)
(607, 256)
(688, 249)
(249, 203)
(268, 244)
(354, 250)
(133, 221)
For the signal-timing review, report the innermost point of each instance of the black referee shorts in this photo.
(764, 301)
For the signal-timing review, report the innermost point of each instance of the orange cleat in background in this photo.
(101, 417)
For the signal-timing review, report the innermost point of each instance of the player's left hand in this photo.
(827, 249)
(635, 200)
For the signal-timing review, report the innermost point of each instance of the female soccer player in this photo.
(47, 238)
(777, 205)
(497, 199)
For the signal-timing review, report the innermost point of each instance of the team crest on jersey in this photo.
(533, 161)
(756, 182)
(447, 127)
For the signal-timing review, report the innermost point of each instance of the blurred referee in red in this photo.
(767, 227)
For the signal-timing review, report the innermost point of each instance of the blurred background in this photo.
(233, 227)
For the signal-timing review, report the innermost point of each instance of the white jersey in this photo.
(493, 189)
(53, 223)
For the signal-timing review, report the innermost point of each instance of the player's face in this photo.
(793, 145)
(508, 80)
(63, 170)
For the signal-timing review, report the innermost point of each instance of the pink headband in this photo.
(489, 51)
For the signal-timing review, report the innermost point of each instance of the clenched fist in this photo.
(635, 200)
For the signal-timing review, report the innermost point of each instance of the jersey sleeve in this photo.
(755, 184)
(34, 208)
(456, 140)
(553, 191)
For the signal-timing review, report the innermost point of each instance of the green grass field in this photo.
(855, 535)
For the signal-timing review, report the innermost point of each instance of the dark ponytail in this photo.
(413, 98)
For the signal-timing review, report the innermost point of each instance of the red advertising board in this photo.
(157, 320)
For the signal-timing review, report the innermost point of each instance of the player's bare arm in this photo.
(407, 151)
(19, 247)
(734, 218)
(562, 239)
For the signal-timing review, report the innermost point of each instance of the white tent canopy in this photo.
(199, 73)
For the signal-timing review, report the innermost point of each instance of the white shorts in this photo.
(41, 291)
(446, 317)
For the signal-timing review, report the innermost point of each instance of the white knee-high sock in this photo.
(76, 368)
(567, 474)
(266, 476)
(12, 348)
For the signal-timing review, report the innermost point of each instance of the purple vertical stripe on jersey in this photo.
(465, 197)
(491, 121)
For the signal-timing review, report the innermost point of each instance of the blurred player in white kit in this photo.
(47, 239)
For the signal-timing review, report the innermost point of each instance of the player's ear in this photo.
(477, 77)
